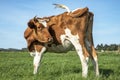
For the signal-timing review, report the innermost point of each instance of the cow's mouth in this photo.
(50, 40)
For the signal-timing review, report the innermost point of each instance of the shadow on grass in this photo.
(106, 72)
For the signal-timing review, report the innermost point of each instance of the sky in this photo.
(14, 15)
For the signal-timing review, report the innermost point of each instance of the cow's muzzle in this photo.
(50, 40)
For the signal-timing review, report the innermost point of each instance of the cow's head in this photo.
(40, 30)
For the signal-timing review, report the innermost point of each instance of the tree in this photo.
(99, 47)
(119, 47)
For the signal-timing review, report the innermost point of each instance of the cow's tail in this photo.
(62, 6)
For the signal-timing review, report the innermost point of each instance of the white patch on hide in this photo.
(76, 9)
(43, 22)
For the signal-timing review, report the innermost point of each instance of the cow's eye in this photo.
(40, 28)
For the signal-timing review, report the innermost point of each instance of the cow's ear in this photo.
(27, 32)
(79, 12)
(31, 24)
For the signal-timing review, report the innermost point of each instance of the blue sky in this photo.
(14, 15)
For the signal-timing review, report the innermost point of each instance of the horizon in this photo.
(15, 15)
(95, 46)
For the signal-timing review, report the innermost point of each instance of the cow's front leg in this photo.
(37, 59)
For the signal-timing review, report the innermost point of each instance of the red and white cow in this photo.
(60, 33)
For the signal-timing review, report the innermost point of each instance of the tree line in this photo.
(106, 47)
(13, 49)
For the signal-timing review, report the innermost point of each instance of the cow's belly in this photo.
(61, 48)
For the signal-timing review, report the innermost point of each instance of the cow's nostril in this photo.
(50, 39)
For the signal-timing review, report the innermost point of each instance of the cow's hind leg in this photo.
(37, 59)
(83, 58)
(75, 41)
(95, 61)
(93, 55)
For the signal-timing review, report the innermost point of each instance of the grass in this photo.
(18, 66)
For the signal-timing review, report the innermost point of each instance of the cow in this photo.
(63, 32)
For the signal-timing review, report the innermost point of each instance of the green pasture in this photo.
(57, 66)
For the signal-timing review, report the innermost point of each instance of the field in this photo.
(64, 66)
